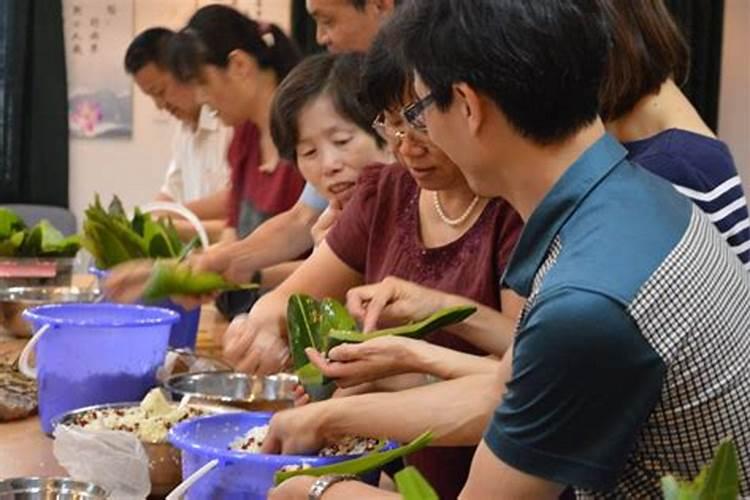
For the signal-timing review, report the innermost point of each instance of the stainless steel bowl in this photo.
(13, 301)
(188, 361)
(164, 463)
(269, 393)
(42, 488)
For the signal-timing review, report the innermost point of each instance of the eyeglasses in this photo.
(416, 126)
(414, 112)
(388, 133)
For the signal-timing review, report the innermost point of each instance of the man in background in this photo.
(198, 173)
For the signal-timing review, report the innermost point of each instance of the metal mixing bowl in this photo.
(14, 300)
(269, 393)
(164, 463)
(41, 488)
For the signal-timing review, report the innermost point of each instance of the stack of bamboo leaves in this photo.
(112, 238)
(42, 240)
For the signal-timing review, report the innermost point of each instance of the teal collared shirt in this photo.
(556, 208)
(586, 375)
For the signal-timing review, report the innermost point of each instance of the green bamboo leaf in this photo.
(138, 221)
(158, 247)
(440, 319)
(7, 249)
(53, 244)
(157, 240)
(672, 489)
(317, 386)
(722, 477)
(110, 250)
(168, 279)
(32, 243)
(10, 223)
(413, 486)
(334, 316)
(173, 237)
(120, 229)
(116, 210)
(303, 327)
(362, 464)
(11, 246)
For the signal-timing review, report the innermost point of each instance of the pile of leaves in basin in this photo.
(43, 240)
(112, 238)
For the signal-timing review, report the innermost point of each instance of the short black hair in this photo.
(215, 31)
(647, 49)
(150, 46)
(384, 78)
(540, 61)
(336, 75)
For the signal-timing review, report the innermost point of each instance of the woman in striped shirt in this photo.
(645, 109)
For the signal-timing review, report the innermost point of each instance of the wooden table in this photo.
(26, 451)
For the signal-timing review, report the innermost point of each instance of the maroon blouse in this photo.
(378, 235)
(266, 194)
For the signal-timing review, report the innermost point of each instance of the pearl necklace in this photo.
(448, 220)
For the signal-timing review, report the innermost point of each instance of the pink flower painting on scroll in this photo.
(86, 117)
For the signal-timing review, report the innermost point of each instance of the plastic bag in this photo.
(114, 460)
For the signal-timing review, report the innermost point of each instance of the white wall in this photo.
(734, 104)
(134, 168)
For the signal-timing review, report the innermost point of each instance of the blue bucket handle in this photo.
(23, 360)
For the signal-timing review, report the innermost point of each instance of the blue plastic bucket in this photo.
(185, 332)
(239, 476)
(89, 354)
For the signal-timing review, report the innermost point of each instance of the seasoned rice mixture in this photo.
(150, 421)
(252, 442)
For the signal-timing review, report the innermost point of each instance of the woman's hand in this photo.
(127, 281)
(297, 431)
(354, 364)
(325, 222)
(301, 398)
(392, 301)
(295, 488)
(221, 258)
(256, 343)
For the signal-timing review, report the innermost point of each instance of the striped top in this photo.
(702, 169)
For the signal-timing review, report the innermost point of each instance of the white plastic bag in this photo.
(114, 460)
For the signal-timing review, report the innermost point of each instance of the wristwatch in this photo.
(324, 482)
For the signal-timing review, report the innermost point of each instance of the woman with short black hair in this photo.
(645, 109)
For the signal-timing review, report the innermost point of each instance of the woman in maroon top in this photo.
(236, 64)
(418, 221)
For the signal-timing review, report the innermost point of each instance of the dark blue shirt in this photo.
(702, 169)
(631, 359)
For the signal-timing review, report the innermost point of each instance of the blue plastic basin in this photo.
(239, 476)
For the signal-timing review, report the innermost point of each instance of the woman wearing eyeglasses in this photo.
(419, 222)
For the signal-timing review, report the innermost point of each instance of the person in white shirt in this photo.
(198, 173)
(198, 167)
